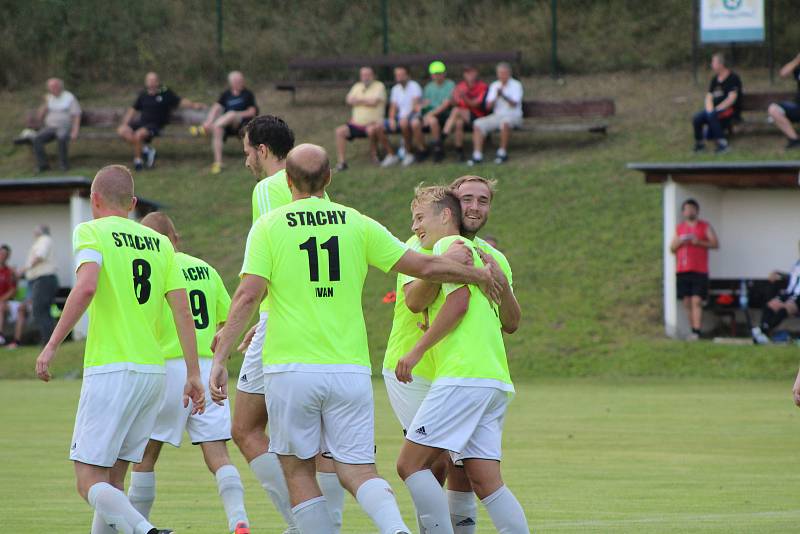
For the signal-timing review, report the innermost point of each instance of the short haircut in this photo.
(271, 131)
(161, 223)
(461, 180)
(468, 68)
(504, 65)
(438, 196)
(404, 67)
(308, 174)
(6, 248)
(690, 202)
(44, 229)
(720, 57)
(115, 184)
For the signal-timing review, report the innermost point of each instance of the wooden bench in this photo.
(328, 65)
(102, 123)
(560, 115)
(757, 103)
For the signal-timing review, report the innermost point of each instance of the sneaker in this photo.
(722, 149)
(390, 160)
(150, 156)
(197, 131)
(137, 164)
(471, 162)
(43, 168)
(341, 166)
(409, 160)
(793, 143)
(759, 337)
(241, 528)
(781, 338)
(422, 156)
(438, 155)
(13, 345)
(460, 154)
(216, 168)
(2, 340)
(500, 159)
(693, 337)
(699, 147)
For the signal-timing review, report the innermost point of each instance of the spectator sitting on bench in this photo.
(785, 304)
(436, 101)
(720, 106)
(785, 113)
(234, 108)
(13, 305)
(693, 238)
(504, 100)
(154, 104)
(404, 104)
(468, 105)
(60, 115)
(367, 97)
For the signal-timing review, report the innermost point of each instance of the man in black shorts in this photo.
(785, 113)
(721, 105)
(785, 304)
(154, 104)
(235, 107)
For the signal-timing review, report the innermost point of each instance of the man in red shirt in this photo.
(468, 100)
(693, 238)
(8, 288)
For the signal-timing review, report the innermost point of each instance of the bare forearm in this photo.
(510, 312)
(420, 294)
(728, 102)
(242, 308)
(446, 321)
(184, 324)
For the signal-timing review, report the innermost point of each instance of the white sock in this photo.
(506, 512)
(377, 499)
(99, 525)
(430, 502)
(463, 511)
(231, 491)
(117, 510)
(333, 492)
(476, 155)
(267, 469)
(501, 152)
(142, 491)
(313, 517)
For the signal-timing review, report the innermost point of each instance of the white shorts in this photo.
(212, 425)
(312, 412)
(465, 420)
(405, 398)
(493, 122)
(116, 414)
(251, 375)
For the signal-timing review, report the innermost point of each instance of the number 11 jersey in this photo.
(315, 254)
(137, 268)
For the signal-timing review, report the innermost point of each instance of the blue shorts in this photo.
(792, 110)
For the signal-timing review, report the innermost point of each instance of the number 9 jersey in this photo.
(137, 268)
(315, 254)
(209, 303)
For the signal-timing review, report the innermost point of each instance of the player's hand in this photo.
(405, 365)
(489, 260)
(194, 391)
(248, 338)
(426, 322)
(218, 383)
(459, 252)
(492, 286)
(43, 363)
(215, 341)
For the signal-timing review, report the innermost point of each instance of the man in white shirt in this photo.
(60, 116)
(504, 99)
(404, 104)
(40, 271)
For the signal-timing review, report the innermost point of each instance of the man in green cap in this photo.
(436, 102)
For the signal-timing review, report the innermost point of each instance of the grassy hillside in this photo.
(583, 234)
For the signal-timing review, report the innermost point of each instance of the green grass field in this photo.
(582, 456)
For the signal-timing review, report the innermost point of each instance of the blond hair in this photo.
(461, 180)
(439, 197)
(114, 183)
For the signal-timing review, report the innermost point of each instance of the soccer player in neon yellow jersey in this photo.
(124, 273)
(314, 255)
(267, 140)
(209, 302)
(464, 410)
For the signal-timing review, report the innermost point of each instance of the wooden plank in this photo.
(391, 60)
(564, 127)
(603, 107)
(110, 117)
(760, 101)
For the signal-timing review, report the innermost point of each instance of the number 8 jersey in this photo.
(137, 268)
(209, 303)
(315, 254)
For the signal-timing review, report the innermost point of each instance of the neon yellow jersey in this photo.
(209, 303)
(473, 354)
(498, 256)
(405, 330)
(315, 254)
(137, 268)
(270, 193)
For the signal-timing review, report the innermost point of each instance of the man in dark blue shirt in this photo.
(721, 105)
(235, 107)
(154, 104)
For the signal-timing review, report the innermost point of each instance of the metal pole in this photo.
(385, 17)
(771, 43)
(219, 27)
(554, 40)
(695, 30)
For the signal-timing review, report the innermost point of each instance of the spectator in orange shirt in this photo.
(468, 100)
